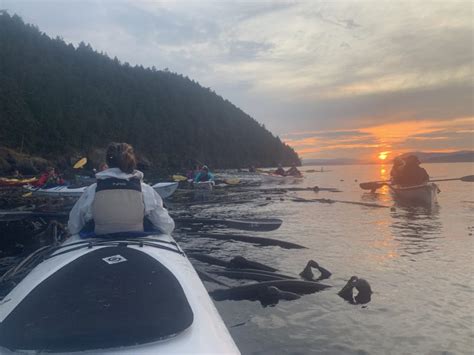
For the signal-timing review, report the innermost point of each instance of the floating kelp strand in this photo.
(330, 201)
(250, 239)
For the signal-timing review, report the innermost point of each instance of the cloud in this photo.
(306, 66)
(393, 137)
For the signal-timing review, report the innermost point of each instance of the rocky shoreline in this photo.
(28, 164)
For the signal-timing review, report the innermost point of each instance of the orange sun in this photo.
(383, 155)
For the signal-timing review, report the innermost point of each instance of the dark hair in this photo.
(121, 155)
(412, 160)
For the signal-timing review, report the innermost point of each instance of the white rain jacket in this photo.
(81, 213)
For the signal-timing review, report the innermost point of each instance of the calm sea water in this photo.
(418, 261)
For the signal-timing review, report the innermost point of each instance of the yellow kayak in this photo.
(16, 182)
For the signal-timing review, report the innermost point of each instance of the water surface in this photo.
(419, 262)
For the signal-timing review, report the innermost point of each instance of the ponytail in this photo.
(121, 155)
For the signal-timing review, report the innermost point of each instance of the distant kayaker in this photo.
(280, 170)
(398, 165)
(119, 201)
(204, 175)
(192, 173)
(103, 167)
(16, 174)
(50, 178)
(412, 174)
(293, 171)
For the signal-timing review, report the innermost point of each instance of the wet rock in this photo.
(24, 163)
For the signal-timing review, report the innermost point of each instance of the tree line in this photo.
(58, 99)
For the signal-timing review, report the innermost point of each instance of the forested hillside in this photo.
(59, 99)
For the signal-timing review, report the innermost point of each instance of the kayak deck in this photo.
(115, 296)
(111, 297)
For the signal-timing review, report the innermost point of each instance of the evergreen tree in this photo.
(55, 99)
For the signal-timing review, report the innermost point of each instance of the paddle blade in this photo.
(80, 163)
(28, 194)
(468, 178)
(232, 181)
(371, 185)
(179, 178)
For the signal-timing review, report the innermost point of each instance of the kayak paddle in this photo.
(11, 215)
(374, 185)
(80, 163)
(262, 225)
(179, 178)
(234, 181)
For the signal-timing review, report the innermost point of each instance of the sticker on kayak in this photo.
(114, 259)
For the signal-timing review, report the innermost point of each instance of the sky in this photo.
(333, 79)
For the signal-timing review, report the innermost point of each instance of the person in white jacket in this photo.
(119, 201)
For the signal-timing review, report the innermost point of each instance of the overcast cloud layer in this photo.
(307, 70)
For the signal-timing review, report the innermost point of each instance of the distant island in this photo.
(464, 156)
(58, 101)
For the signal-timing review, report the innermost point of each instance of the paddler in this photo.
(103, 167)
(16, 174)
(204, 175)
(398, 165)
(412, 174)
(293, 171)
(279, 170)
(50, 178)
(120, 201)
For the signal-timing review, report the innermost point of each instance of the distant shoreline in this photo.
(383, 163)
(462, 156)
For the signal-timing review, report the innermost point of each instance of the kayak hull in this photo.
(164, 189)
(279, 179)
(204, 331)
(421, 194)
(57, 191)
(6, 182)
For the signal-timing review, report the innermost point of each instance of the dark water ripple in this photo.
(418, 260)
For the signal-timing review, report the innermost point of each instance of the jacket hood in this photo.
(119, 174)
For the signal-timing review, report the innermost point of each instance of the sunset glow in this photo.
(383, 142)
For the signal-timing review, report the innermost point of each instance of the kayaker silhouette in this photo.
(411, 174)
(280, 170)
(398, 165)
(119, 201)
(293, 171)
